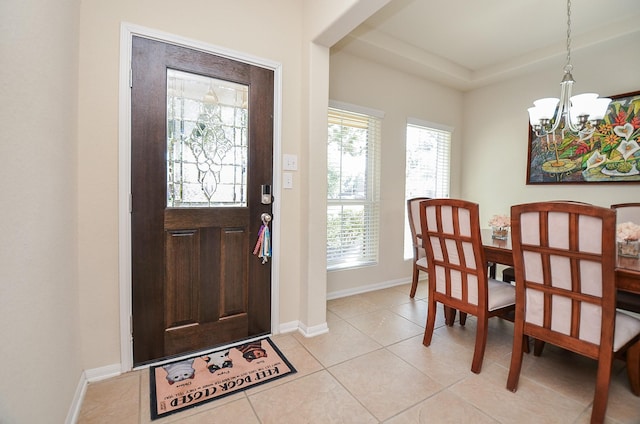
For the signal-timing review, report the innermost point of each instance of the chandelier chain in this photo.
(568, 66)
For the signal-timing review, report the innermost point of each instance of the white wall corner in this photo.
(314, 330)
(74, 408)
(288, 327)
(102, 373)
(89, 376)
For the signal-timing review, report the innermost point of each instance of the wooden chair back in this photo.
(452, 240)
(564, 255)
(564, 258)
(419, 262)
(413, 211)
(627, 212)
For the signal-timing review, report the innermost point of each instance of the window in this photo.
(352, 186)
(206, 141)
(428, 147)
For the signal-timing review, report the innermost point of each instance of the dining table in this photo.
(499, 251)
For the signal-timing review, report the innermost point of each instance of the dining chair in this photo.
(564, 257)
(628, 212)
(509, 274)
(457, 270)
(419, 257)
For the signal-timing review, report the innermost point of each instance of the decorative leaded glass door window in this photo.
(206, 141)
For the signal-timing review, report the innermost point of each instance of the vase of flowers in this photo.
(500, 226)
(628, 239)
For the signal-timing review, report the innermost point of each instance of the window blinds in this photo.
(428, 149)
(353, 188)
(427, 161)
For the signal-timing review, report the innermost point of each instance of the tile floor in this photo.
(372, 368)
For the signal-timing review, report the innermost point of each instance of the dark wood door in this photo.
(202, 147)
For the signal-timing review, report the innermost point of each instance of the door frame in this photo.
(127, 32)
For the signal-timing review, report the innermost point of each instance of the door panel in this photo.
(198, 161)
(182, 248)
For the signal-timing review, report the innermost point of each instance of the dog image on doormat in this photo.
(179, 371)
(218, 360)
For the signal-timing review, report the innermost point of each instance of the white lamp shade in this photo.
(534, 115)
(546, 107)
(600, 107)
(582, 104)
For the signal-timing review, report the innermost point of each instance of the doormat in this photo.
(185, 383)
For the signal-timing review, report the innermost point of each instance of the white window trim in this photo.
(356, 109)
(435, 126)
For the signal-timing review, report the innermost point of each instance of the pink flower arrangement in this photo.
(627, 231)
(500, 221)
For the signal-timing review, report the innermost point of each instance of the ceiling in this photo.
(466, 44)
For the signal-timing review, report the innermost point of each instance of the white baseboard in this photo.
(86, 377)
(313, 331)
(74, 408)
(288, 327)
(364, 289)
(102, 373)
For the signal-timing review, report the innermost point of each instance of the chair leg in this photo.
(492, 270)
(633, 368)
(601, 395)
(449, 316)
(481, 343)
(463, 318)
(431, 322)
(538, 347)
(414, 281)
(516, 359)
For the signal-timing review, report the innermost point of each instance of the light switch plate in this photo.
(287, 180)
(290, 162)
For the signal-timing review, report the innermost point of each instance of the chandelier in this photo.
(580, 113)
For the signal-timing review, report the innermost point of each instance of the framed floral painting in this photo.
(608, 152)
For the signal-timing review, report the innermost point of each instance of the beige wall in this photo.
(495, 130)
(39, 318)
(363, 83)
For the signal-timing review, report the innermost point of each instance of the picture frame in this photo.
(608, 154)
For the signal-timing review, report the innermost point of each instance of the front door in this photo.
(201, 152)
